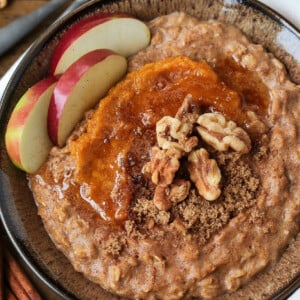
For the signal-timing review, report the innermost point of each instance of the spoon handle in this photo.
(15, 31)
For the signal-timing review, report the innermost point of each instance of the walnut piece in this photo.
(254, 124)
(174, 141)
(189, 110)
(222, 134)
(161, 199)
(164, 197)
(163, 165)
(173, 133)
(205, 173)
(179, 190)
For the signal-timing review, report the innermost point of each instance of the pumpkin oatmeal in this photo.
(184, 181)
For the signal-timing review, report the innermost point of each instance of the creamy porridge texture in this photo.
(184, 182)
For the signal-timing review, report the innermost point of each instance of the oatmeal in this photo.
(184, 181)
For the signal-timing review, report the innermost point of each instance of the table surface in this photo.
(18, 8)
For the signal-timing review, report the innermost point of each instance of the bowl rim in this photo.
(14, 79)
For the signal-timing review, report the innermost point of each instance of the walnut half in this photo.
(205, 173)
(222, 134)
(173, 133)
(163, 165)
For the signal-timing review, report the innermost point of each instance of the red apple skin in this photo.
(76, 31)
(65, 85)
(19, 116)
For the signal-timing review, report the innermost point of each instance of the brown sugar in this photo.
(114, 244)
(203, 218)
(241, 184)
(146, 209)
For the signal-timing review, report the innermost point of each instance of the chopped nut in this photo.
(163, 165)
(222, 134)
(150, 223)
(179, 226)
(175, 193)
(173, 133)
(179, 190)
(205, 173)
(161, 198)
(189, 110)
(254, 124)
(169, 129)
(188, 146)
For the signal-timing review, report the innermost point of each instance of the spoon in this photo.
(15, 31)
(10, 73)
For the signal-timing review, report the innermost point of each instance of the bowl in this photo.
(18, 210)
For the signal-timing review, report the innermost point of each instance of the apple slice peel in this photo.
(26, 138)
(80, 88)
(123, 34)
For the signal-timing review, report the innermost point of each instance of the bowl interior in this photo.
(18, 209)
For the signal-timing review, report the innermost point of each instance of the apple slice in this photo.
(26, 138)
(121, 33)
(83, 84)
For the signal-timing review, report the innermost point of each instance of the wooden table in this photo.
(13, 10)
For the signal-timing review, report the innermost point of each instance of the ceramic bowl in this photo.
(18, 211)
